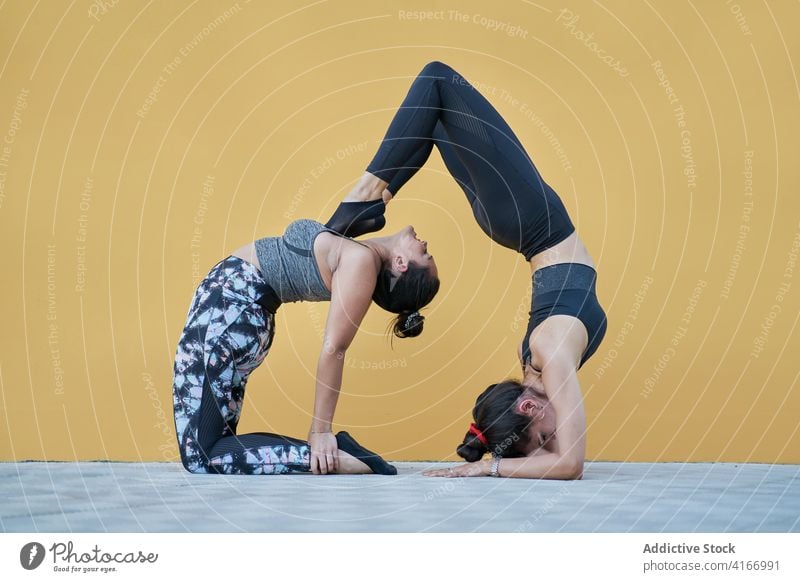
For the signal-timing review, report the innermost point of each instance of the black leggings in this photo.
(511, 202)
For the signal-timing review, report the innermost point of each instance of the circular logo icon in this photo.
(31, 555)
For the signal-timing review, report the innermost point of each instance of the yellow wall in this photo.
(113, 205)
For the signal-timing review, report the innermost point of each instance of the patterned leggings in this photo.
(227, 335)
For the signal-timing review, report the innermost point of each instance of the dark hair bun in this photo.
(408, 324)
(472, 449)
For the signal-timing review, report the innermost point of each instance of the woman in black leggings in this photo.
(534, 428)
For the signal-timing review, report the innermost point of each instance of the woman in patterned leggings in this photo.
(231, 324)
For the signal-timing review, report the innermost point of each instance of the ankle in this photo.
(368, 188)
(363, 194)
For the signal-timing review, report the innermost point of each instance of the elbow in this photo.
(334, 350)
(573, 469)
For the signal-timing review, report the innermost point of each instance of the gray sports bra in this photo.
(288, 264)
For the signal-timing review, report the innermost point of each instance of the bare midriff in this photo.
(569, 250)
(248, 253)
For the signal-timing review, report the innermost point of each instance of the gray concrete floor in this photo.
(612, 497)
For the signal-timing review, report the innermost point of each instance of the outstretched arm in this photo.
(351, 294)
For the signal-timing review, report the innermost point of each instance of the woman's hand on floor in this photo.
(324, 453)
(476, 469)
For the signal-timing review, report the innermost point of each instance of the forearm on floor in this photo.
(542, 466)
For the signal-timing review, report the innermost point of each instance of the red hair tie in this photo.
(477, 432)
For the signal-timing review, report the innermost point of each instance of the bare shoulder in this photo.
(336, 253)
(355, 255)
(354, 276)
